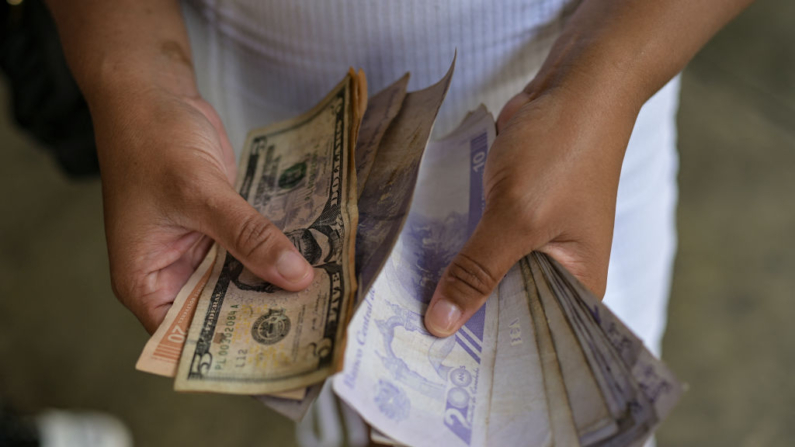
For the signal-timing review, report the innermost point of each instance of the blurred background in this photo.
(65, 342)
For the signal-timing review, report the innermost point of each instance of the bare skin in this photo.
(167, 165)
(551, 176)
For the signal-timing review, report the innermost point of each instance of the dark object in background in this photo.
(16, 431)
(45, 99)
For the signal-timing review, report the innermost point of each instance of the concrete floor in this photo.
(66, 342)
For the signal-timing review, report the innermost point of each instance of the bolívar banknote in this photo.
(413, 387)
(385, 200)
(382, 109)
(519, 413)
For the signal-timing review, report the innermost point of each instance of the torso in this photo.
(270, 59)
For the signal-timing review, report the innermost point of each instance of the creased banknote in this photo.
(651, 388)
(656, 380)
(249, 337)
(384, 203)
(604, 363)
(561, 421)
(519, 413)
(161, 353)
(636, 414)
(290, 408)
(380, 438)
(589, 410)
(382, 109)
(413, 387)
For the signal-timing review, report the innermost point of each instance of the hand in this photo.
(167, 173)
(551, 180)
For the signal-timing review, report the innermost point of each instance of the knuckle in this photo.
(189, 195)
(469, 278)
(184, 186)
(523, 216)
(255, 234)
(125, 291)
(512, 201)
(138, 295)
(589, 271)
(181, 182)
(210, 204)
(120, 283)
(117, 288)
(150, 317)
(195, 188)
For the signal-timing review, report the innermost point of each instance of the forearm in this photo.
(551, 176)
(620, 52)
(125, 47)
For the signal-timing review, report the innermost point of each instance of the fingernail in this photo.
(443, 316)
(292, 266)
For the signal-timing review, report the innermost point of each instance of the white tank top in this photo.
(259, 61)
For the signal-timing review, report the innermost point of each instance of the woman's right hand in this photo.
(166, 162)
(167, 181)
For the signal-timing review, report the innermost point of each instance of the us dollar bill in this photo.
(161, 354)
(248, 336)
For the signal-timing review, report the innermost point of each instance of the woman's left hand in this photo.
(551, 181)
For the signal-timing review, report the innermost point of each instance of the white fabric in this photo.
(644, 235)
(259, 61)
(58, 428)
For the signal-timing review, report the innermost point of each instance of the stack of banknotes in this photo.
(380, 211)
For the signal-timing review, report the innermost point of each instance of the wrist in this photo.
(594, 119)
(127, 78)
(129, 92)
(594, 81)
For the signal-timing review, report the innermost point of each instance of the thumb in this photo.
(472, 275)
(251, 238)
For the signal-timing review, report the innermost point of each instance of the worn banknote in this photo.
(161, 353)
(382, 108)
(648, 389)
(561, 421)
(411, 386)
(656, 380)
(386, 197)
(591, 415)
(247, 336)
(519, 413)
